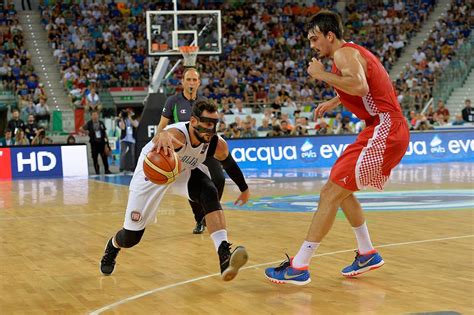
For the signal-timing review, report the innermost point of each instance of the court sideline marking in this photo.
(137, 296)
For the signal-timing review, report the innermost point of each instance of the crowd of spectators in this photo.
(19, 132)
(263, 64)
(16, 70)
(414, 86)
(440, 117)
(266, 52)
(98, 45)
(430, 60)
(262, 69)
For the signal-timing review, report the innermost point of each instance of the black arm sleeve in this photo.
(234, 172)
(212, 146)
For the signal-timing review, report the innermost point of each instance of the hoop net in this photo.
(189, 55)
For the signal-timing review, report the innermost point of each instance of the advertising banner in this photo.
(322, 151)
(24, 162)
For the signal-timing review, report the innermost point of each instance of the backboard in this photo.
(168, 30)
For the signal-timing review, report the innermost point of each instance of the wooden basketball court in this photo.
(53, 234)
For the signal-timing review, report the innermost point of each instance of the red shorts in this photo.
(376, 151)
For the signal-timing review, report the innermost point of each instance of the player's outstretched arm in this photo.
(352, 79)
(233, 170)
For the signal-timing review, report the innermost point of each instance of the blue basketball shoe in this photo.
(363, 263)
(285, 273)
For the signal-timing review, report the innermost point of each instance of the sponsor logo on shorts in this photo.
(344, 180)
(135, 216)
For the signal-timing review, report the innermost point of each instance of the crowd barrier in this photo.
(322, 151)
(25, 162)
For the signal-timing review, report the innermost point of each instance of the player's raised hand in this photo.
(315, 68)
(243, 198)
(166, 141)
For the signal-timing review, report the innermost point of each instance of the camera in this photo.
(123, 114)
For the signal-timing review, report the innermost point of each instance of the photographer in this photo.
(346, 127)
(128, 127)
(322, 128)
(299, 129)
(275, 132)
(96, 130)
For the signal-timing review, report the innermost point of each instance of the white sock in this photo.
(363, 239)
(303, 257)
(218, 237)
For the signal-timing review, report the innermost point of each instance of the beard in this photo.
(201, 138)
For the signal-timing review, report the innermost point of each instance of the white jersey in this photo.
(190, 156)
(145, 197)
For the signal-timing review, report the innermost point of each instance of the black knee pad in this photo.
(209, 199)
(217, 174)
(126, 238)
(198, 211)
(202, 190)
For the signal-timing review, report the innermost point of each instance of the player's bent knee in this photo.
(127, 238)
(209, 200)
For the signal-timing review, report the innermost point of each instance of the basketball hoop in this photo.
(189, 55)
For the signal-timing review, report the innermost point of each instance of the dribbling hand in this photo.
(166, 141)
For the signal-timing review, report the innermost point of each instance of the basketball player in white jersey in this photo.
(197, 140)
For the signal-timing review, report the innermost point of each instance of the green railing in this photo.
(7, 99)
(456, 72)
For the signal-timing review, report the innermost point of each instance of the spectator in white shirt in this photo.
(4, 69)
(42, 110)
(433, 64)
(410, 81)
(93, 101)
(306, 91)
(398, 45)
(60, 20)
(418, 55)
(398, 5)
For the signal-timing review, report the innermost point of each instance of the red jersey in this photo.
(381, 97)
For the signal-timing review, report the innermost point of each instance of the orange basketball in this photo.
(161, 169)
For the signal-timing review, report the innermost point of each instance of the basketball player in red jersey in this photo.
(364, 88)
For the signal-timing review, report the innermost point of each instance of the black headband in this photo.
(207, 119)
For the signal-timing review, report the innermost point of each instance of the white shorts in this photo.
(145, 197)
